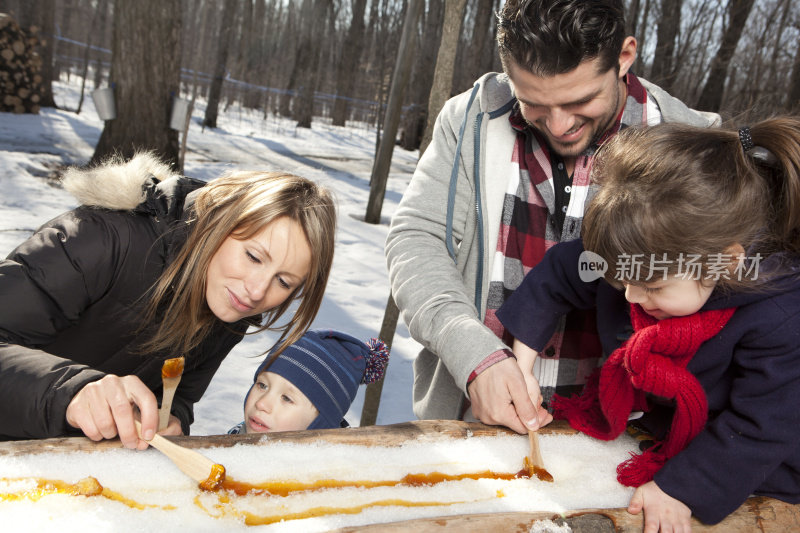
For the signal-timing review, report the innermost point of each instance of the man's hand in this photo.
(105, 408)
(499, 396)
(662, 512)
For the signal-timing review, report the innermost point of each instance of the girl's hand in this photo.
(526, 356)
(662, 512)
(104, 409)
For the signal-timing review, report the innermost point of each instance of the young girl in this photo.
(312, 384)
(700, 233)
(152, 266)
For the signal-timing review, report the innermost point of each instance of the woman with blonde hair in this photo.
(152, 266)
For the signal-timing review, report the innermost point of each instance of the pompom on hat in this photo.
(328, 366)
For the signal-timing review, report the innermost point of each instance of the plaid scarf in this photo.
(652, 361)
(527, 232)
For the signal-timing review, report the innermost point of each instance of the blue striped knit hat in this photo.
(328, 366)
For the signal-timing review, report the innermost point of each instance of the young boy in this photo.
(312, 383)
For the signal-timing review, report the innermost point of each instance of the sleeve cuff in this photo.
(494, 357)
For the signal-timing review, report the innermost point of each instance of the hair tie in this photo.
(745, 138)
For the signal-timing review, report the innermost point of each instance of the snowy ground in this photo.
(341, 158)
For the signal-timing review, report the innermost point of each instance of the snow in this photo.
(583, 469)
(31, 146)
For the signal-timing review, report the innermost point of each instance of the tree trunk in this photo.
(711, 97)
(632, 17)
(223, 44)
(383, 157)
(46, 16)
(440, 92)
(103, 6)
(793, 103)
(308, 63)
(445, 65)
(350, 56)
(285, 105)
(146, 75)
(419, 89)
(480, 41)
(90, 33)
(638, 65)
(779, 47)
(662, 72)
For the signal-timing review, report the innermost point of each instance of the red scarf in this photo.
(653, 360)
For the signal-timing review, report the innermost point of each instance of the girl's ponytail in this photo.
(773, 147)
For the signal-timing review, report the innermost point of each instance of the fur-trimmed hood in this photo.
(116, 184)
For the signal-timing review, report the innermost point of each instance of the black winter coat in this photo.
(71, 301)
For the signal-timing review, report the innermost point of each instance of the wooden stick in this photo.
(171, 372)
(536, 464)
(193, 464)
(536, 453)
(170, 384)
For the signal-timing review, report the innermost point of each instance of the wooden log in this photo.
(390, 435)
(20, 66)
(758, 513)
(765, 515)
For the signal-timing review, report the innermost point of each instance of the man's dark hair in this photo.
(550, 37)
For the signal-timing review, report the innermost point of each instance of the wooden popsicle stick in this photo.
(195, 465)
(536, 453)
(170, 385)
(171, 372)
(536, 464)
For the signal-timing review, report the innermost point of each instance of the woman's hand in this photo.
(662, 512)
(104, 409)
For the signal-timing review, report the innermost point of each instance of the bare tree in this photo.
(439, 93)
(662, 71)
(215, 91)
(793, 102)
(414, 117)
(445, 65)
(87, 51)
(383, 157)
(145, 72)
(102, 23)
(638, 66)
(711, 97)
(347, 66)
(307, 61)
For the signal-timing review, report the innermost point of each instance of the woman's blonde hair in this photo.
(240, 204)
(672, 191)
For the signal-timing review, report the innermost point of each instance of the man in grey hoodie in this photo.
(505, 177)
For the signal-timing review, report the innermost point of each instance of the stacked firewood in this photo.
(20, 66)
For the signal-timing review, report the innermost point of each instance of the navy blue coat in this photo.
(750, 372)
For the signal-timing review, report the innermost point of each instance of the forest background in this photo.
(333, 60)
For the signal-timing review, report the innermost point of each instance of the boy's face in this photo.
(274, 404)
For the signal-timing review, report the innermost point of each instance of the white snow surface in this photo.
(583, 469)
